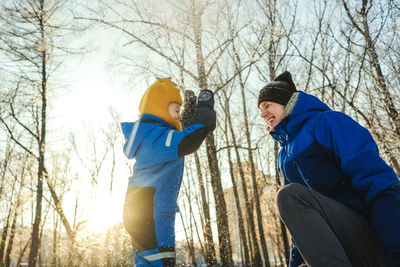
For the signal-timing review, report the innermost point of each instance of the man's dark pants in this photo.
(326, 232)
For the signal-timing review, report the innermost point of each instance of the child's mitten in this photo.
(205, 113)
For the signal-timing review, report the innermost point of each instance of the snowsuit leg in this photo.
(326, 232)
(152, 234)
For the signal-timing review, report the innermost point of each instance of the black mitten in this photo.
(206, 98)
(189, 107)
(205, 113)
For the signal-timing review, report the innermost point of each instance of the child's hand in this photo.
(206, 98)
(205, 113)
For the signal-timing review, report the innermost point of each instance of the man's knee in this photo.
(287, 195)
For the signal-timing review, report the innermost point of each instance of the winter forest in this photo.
(72, 71)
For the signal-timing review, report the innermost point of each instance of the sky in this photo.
(92, 89)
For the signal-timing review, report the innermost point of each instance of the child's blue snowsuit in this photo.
(150, 204)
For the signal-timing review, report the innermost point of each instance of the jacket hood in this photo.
(135, 132)
(305, 107)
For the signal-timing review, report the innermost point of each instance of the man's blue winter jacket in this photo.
(332, 154)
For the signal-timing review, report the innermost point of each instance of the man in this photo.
(341, 201)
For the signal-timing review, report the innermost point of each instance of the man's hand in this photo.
(189, 108)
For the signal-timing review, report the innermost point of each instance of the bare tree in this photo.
(190, 225)
(243, 236)
(361, 22)
(6, 228)
(210, 257)
(19, 203)
(30, 40)
(112, 137)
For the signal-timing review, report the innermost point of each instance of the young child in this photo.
(158, 143)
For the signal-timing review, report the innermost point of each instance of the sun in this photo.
(104, 213)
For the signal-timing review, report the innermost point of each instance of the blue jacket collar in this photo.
(146, 117)
(305, 107)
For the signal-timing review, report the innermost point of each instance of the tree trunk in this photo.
(41, 146)
(284, 235)
(242, 237)
(220, 205)
(4, 237)
(252, 233)
(13, 226)
(21, 254)
(192, 253)
(242, 231)
(263, 242)
(210, 257)
(222, 219)
(6, 227)
(55, 241)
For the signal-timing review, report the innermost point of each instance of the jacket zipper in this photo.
(301, 173)
(282, 167)
(295, 163)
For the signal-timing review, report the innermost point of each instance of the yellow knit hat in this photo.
(156, 99)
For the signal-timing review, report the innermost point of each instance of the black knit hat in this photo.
(279, 90)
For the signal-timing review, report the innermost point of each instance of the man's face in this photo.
(174, 110)
(272, 113)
